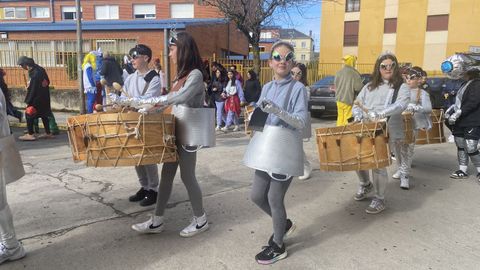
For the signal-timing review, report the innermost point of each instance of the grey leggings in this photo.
(269, 195)
(148, 176)
(187, 162)
(7, 233)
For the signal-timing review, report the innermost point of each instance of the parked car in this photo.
(322, 95)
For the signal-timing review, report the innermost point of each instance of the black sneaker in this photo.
(271, 254)
(459, 175)
(140, 195)
(150, 198)
(289, 228)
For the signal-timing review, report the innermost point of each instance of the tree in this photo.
(250, 15)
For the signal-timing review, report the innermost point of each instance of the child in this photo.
(232, 104)
(285, 100)
(420, 106)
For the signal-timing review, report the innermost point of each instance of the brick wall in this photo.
(125, 8)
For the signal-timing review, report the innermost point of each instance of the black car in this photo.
(322, 95)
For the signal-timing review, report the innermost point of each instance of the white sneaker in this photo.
(236, 128)
(376, 206)
(396, 175)
(451, 139)
(224, 129)
(404, 183)
(307, 171)
(11, 254)
(154, 224)
(217, 128)
(198, 225)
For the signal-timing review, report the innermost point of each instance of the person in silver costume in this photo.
(463, 117)
(386, 96)
(420, 107)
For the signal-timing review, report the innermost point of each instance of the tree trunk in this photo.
(256, 58)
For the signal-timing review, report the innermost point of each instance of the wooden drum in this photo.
(408, 127)
(76, 137)
(123, 139)
(435, 134)
(353, 147)
(246, 115)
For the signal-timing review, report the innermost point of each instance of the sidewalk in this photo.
(70, 216)
(60, 118)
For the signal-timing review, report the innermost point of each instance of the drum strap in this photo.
(148, 78)
(419, 92)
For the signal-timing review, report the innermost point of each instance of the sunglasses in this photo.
(277, 57)
(172, 41)
(412, 77)
(296, 73)
(388, 66)
(135, 55)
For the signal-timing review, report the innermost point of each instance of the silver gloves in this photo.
(449, 111)
(453, 118)
(375, 116)
(138, 102)
(269, 107)
(413, 107)
(357, 113)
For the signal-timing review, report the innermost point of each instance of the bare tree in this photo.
(250, 15)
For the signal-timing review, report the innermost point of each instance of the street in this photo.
(69, 216)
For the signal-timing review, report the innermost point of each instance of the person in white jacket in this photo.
(11, 169)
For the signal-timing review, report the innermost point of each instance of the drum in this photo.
(359, 146)
(435, 134)
(408, 127)
(76, 137)
(123, 139)
(246, 116)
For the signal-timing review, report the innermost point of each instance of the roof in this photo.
(268, 40)
(292, 33)
(100, 25)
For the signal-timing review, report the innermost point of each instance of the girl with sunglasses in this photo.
(299, 73)
(285, 102)
(420, 107)
(386, 96)
(187, 90)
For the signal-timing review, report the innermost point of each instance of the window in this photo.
(350, 34)
(144, 11)
(69, 13)
(15, 13)
(265, 35)
(181, 10)
(390, 26)
(304, 44)
(437, 23)
(352, 6)
(294, 44)
(40, 12)
(302, 57)
(106, 12)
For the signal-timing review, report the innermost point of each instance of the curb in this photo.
(40, 125)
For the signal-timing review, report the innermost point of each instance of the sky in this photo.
(305, 19)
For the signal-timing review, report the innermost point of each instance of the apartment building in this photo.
(421, 32)
(303, 44)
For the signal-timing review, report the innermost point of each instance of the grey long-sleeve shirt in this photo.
(379, 99)
(135, 83)
(192, 94)
(276, 91)
(421, 118)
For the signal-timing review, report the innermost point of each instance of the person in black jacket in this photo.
(37, 99)
(11, 110)
(111, 70)
(252, 88)
(465, 123)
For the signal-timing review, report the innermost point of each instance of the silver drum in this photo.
(195, 126)
(276, 150)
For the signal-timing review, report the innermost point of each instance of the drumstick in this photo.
(356, 102)
(103, 82)
(118, 87)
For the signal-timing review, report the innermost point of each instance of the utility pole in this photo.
(79, 56)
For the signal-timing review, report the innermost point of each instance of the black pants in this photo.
(31, 120)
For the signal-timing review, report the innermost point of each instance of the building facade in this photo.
(421, 32)
(46, 30)
(303, 44)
